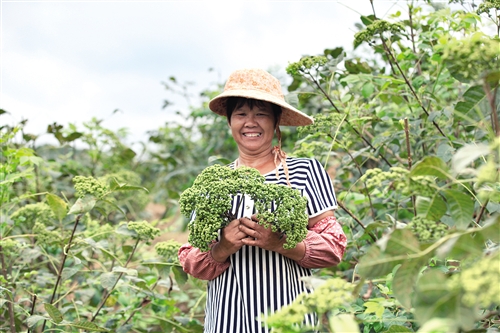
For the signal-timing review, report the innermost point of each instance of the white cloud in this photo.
(70, 61)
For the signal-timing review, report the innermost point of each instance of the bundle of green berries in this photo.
(208, 203)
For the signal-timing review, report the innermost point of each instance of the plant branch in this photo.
(412, 34)
(63, 261)
(481, 213)
(110, 290)
(408, 151)
(32, 311)
(492, 101)
(355, 219)
(316, 83)
(408, 83)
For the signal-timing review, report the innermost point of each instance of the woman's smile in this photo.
(253, 127)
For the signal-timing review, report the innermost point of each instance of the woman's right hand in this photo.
(229, 243)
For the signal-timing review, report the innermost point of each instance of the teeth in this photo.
(252, 134)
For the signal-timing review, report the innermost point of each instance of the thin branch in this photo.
(110, 290)
(355, 219)
(481, 213)
(412, 34)
(408, 151)
(408, 83)
(492, 101)
(61, 266)
(32, 311)
(346, 120)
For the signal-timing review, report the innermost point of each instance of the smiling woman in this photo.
(251, 274)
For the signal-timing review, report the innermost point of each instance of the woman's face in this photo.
(253, 128)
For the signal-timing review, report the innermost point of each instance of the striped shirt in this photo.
(260, 282)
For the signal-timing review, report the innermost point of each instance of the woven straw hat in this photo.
(258, 84)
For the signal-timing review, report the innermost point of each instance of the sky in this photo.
(69, 61)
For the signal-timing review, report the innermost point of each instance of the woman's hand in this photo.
(259, 236)
(230, 241)
(265, 238)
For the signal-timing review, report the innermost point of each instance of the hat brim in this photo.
(290, 116)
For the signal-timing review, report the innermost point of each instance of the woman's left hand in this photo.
(259, 236)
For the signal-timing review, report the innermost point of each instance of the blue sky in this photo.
(69, 61)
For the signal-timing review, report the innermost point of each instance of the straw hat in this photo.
(258, 84)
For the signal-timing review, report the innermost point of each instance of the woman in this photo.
(249, 273)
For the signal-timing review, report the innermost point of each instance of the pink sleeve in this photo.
(325, 244)
(200, 264)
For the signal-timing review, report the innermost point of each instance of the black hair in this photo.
(232, 103)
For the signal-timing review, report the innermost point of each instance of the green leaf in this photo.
(430, 166)
(460, 207)
(122, 229)
(68, 272)
(375, 264)
(367, 89)
(374, 307)
(88, 326)
(398, 329)
(491, 229)
(434, 299)
(404, 280)
(114, 205)
(181, 277)
(108, 280)
(439, 325)
(467, 154)
(431, 208)
(58, 206)
(83, 205)
(126, 271)
(343, 323)
(463, 246)
(402, 242)
(114, 185)
(53, 312)
(472, 97)
(33, 320)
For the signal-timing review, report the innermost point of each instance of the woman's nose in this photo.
(250, 120)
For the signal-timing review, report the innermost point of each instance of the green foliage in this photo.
(407, 125)
(210, 198)
(329, 295)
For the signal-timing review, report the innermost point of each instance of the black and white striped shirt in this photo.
(259, 282)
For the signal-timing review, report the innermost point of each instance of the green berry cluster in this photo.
(376, 28)
(9, 244)
(487, 5)
(144, 230)
(472, 56)
(332, 294)
(427, 230)
(323, 123)
(89, 186)
(399, 179)
(45, 236)
(168, 249)
(479, 282)
(215, 187)
(31, 213)
(94, 229)
(305, 64)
